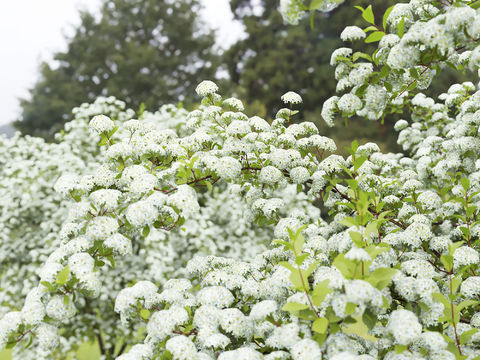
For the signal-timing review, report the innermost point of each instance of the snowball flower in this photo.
(119, 243)
(102, 124)
(306, 349)
(270, 175)
(47, 336)
(65, 184)
(404, 326)
(464, 256)
(215, 295)
(262, 309)
(59, 309)
(228, 168)
(141, 213)
(349, 103)
(181, 348)
(184, 199)
(299, 175)
(351, 33)
(291, 98)
(206, 88)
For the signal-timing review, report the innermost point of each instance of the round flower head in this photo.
(291, 98)
(351, 33)
(101, 124)
(206, 88)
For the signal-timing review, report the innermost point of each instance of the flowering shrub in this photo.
(390, 272)
(32, 210)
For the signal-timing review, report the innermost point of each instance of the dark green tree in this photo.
(150, 51)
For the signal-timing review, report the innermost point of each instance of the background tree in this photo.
(138, 50)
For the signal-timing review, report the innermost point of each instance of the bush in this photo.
(389, 272)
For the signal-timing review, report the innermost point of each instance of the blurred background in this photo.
(57, 54)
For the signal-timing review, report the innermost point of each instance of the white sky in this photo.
(31, 30)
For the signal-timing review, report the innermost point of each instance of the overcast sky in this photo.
(31, 30)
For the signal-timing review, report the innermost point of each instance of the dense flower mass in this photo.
(201, 230)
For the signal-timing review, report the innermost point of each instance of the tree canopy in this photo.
(139, 50)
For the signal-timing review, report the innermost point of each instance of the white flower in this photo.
(184, 199)
(60, 309)
(291, 98)
(47, 336)
(357, 254)
(306, 349)
(101, 227)
(465, 255)
(299, 175)
(141, 213)
(119, 243)
(349, 103)
(206, 88)
(228, 168)
(102, 124)
(181, 348)
(404, 326)
(270, 175)
(65, 184)
(217, 341)
(215, 295)
(234, 104)
(106, 198)
(351, 33)
(262, 309)
(233, 321)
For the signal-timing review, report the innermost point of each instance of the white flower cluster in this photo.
(414, 31)
(293, 10)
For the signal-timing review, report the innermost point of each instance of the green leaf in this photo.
(467, 303)
(465, 183)
(369, 319)
(287, 265)
(315, 4)
(370, 28)
(475, 4)
(401, 27)
(350, 308)
(346, 267)
(412, 86)
(385, 16)
(349, 221)
(299, 259)
(362, 55)
(49, 286)
(447, 262)
(112, 261)
(62, 276)
(145, 314)
(357, 238)
(293, 307)
(381, 277)
(320, 325)
(367, 14)
(320, 291)
(146, 231)
(456, 282)
(209, 186)
(466, 335)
